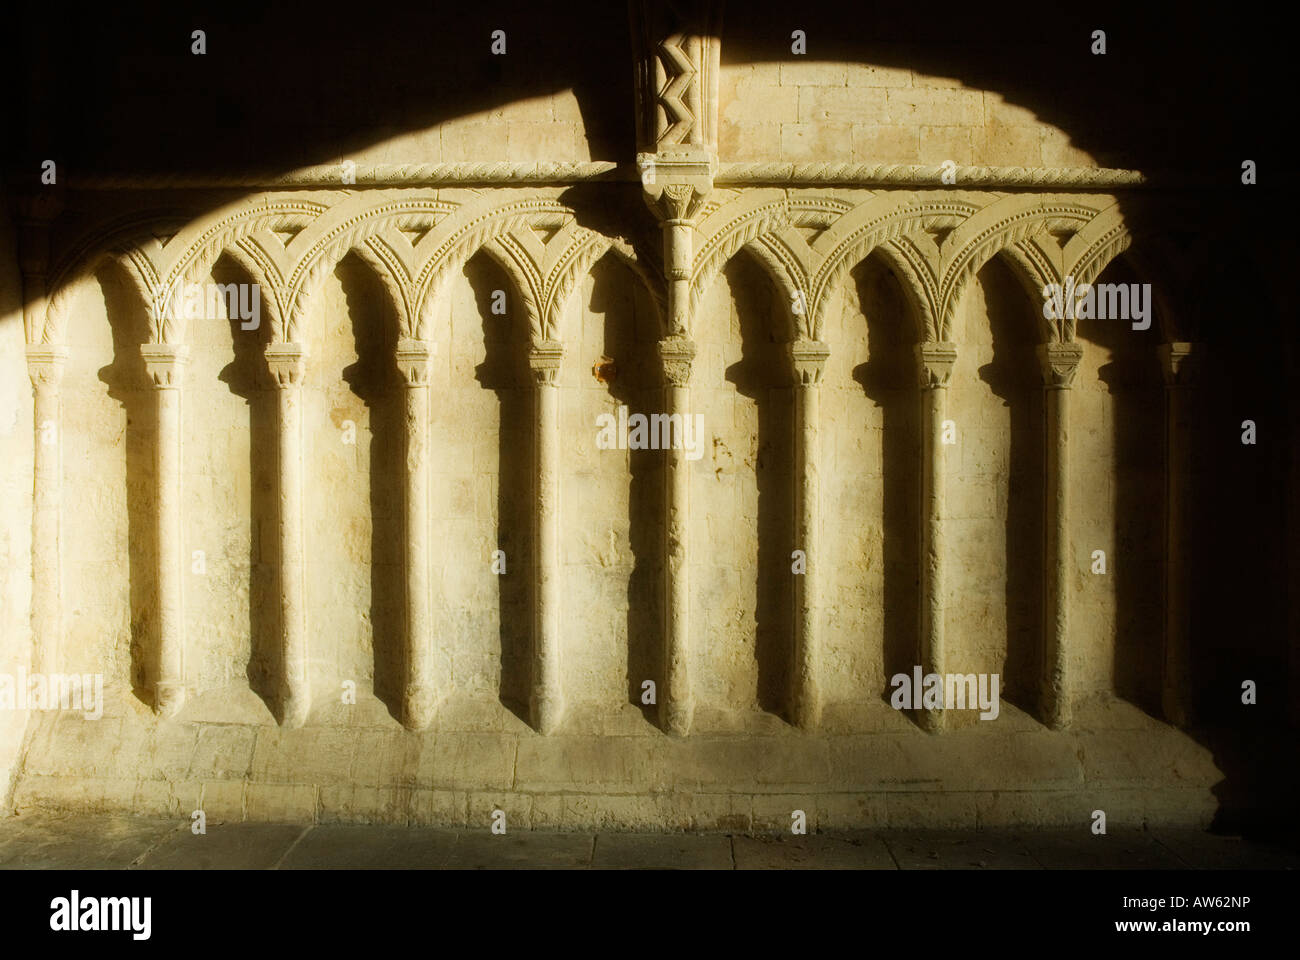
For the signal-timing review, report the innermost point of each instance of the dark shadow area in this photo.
(333, 91)
(336, 91)
(889, 378)
(129, 384)
(1133, 380)
(1157, 114)
(763, 375)
(1241, 588)
(633, 380)
(247, 378)
(505, 372)
(1014, 377)
(375, 380)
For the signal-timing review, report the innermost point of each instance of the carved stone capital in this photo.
(544, 360)
(675, 189)
(808, 360)
(287, 363)
(413, 361)
(165, 362)
(677, 355)
(45, 364)
(1180, 363)
(934, 363)
(1059, 361)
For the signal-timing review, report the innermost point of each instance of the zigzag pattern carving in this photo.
(681, 123)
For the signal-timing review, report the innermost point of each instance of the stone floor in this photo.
(89, 843)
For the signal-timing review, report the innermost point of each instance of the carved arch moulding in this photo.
(934, 241)
(413, 241)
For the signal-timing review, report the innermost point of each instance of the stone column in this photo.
(809, 359)
(677, 178)
(676, 700)
(547, 697)
(1059, 362)
(45, 367)
(287, 364)
(165, 363)
(1178, 362)
(935, 361)
(420, 694)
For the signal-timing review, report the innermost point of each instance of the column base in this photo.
(931, 721)
(419, 705)
(806, 712)
(1056, 712)
(295, 705)
(675, 717)
(547, 710)
(168, 698)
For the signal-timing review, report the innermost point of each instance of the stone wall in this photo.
(393, 575)
(16, 439)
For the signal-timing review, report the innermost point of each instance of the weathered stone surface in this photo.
(378, 848)
(812, 853)
(556, 851)
(249, 846)
(624, 851)
(1121, 848)
(940, 850)
(376, 562)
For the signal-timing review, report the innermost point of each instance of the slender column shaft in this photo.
(683, 176)
(547, 695)
(935, 361)
(45, 367)
(287, 364)
(420, 693)
(676, 699)
(165, 364)
(1059, 362)
(808, 359)
(1178, 362)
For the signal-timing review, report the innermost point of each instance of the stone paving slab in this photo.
(371, 848)
(1118, 849)
(78, 843)
(89, 843)
(959, 850)
(521, 851)
(812, 853)
(662, 851)
(235, 846)
(1209, 851)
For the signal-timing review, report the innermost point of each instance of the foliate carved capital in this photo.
(1059, 361)
(934, 362)
(544, 360)
(165, 362)
(413, 361)
(45, 365)
(675, 191)
(287, 363)
(808, 359)
(677, 355)
(1180, 363)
